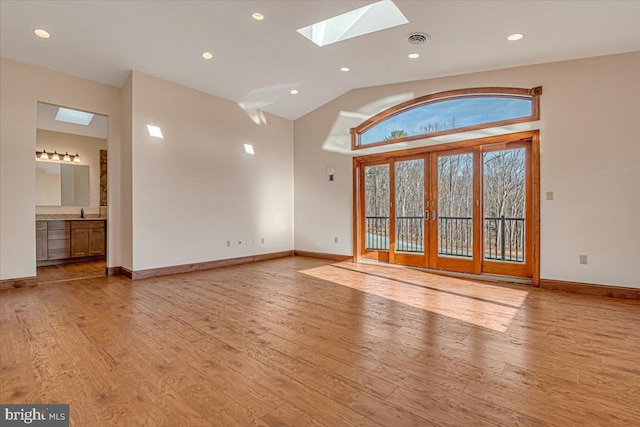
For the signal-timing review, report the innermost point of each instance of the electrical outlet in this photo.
(549, 195)
(228, 243)
(262, 240)
(583, 259)
(336, 240)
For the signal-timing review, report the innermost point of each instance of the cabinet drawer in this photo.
(59, 244)
(41, 225)
(58, 234)
(59, 253)
(75, 225)
(58, 225)
(42, 247)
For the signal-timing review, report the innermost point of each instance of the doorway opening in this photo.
(467, 207)
(71, 194)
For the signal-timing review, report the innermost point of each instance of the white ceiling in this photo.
(258, 62)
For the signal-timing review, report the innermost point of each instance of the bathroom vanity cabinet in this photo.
(70, 240)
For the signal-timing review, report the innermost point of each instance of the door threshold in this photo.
(497, 278)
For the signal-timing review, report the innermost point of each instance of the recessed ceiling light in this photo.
(414, 55)
(344, 69)
(41, 33)
(293, 91)
(248, 148)
(257, 16)
(207, 55)
(515, 37)
(73, 116)
(155, 131)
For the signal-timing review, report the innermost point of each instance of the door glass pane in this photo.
(504, 205)
(455, 205)
(409, 181)
(376, 207)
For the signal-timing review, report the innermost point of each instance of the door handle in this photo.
(433, 215)
(426, 215)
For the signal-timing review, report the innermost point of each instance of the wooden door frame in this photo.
(364, 253)
(511, 269)
(410, 259)
(532, 136)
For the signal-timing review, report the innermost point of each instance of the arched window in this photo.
(448, 112)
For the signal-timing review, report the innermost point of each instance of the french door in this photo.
(455, 210)
(467, 209)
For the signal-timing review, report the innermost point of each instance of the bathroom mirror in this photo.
(60, 184)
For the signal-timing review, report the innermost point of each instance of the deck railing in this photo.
(504, 237)
(377, 233)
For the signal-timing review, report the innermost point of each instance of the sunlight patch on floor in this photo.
(481, 304)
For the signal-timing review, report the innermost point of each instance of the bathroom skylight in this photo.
(74, 116)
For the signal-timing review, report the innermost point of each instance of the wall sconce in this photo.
(330, 172)
(55, 156)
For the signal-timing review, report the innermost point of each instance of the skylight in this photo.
(74, 116)
(368, 19)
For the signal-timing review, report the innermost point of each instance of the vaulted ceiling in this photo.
(259, 62)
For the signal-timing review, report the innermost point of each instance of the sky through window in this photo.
(448, 114)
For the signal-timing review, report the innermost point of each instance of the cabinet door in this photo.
(80, 243)
(96, 241)
(41, 245)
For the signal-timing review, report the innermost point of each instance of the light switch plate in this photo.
(549, 195)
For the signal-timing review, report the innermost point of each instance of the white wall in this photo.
(126, 214)
(89, 150)
(171, 201)
(590, 159)
(197, 188)
(21, 87)
(184, 196)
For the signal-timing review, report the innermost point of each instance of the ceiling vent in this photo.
(418, 38)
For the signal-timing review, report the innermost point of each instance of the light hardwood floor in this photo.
(61, 272)
(306, 342)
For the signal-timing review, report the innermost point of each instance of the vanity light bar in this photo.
(55, 156)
